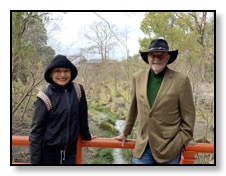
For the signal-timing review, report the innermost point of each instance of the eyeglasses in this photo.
(60, 71)
(159, 56)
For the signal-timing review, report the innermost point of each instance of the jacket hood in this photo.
(60, 61)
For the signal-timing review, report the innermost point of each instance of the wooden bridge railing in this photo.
(188, 156)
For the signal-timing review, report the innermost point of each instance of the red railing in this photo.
(188, 156)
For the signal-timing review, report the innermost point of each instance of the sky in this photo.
(65, 40)
(5, 88)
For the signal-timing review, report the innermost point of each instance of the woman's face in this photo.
(61, 75)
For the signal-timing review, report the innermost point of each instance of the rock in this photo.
(109, 99)
(121, 112)
(120, 104)
(106, 126)
(114, 108)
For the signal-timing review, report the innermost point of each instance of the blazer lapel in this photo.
(146, 77)
(166, 82)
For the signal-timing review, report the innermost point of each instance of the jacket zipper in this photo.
(67, 122)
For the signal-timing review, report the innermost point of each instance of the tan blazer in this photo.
(169, 124)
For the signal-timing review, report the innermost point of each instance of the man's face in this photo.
(158, 61)
(61, 75)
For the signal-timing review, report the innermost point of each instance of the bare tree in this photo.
(99, 40)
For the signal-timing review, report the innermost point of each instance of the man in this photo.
(54, 132)
(162, 102)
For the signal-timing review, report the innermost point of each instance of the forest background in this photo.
(107, 82)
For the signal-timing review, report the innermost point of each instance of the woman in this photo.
(54, 131)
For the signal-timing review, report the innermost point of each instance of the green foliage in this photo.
(174, 27)
(30, 54)
(29, 43)
(144, 43)
(127, 155)
(111, 121)
(106, 111)
(204, 115)
(190, 32)
(159, 23)
(106, 126)
(103, 156)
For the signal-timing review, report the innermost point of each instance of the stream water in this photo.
(118, 158)
(119, 125)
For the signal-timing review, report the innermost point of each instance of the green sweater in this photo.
(154, 83)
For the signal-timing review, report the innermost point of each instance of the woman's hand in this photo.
(93, 137)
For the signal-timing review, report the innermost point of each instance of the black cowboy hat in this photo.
(159, 45)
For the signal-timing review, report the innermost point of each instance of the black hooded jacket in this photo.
(58, 129)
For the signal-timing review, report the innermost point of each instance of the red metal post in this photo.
(188, 157)
(79, 151)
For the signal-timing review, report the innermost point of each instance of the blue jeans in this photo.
(147, 158)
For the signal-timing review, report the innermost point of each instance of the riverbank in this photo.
(104, 123)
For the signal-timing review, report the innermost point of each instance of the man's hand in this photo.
(122, 138)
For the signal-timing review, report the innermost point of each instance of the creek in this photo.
(118, 158)
(119, 124)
